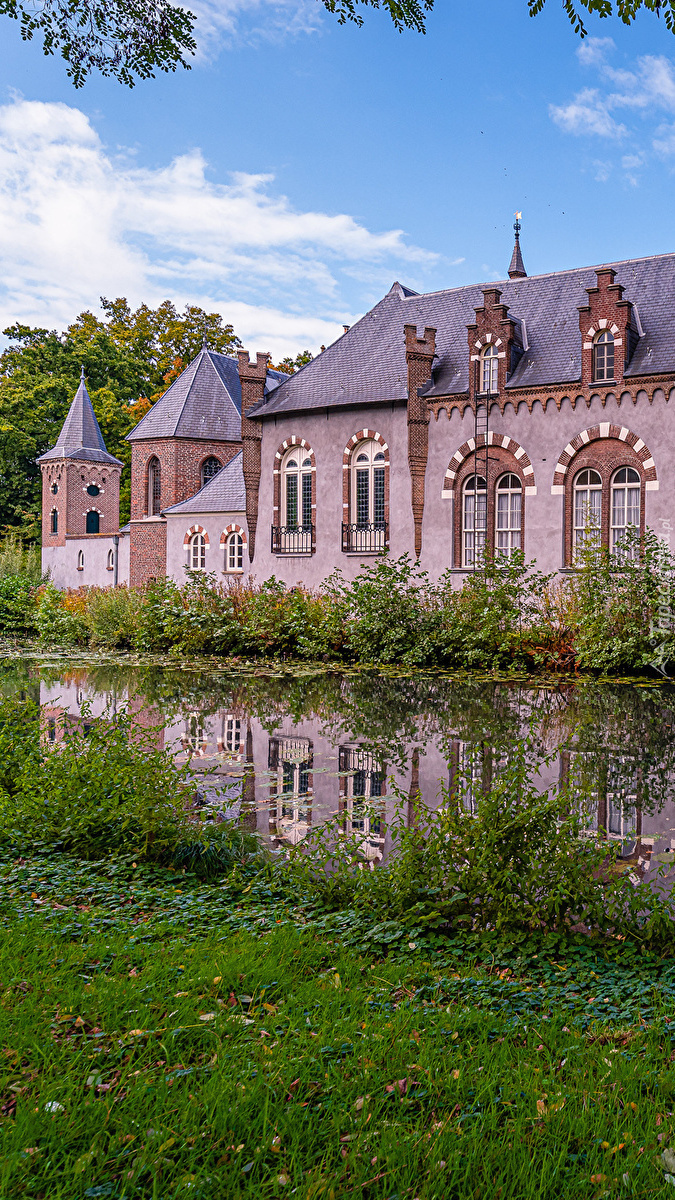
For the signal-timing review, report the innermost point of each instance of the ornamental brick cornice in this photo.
(628, 392)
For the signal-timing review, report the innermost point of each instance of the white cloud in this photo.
(593, 50)
(234, 22)
(641, 95)
(588, 112)
(79, 223)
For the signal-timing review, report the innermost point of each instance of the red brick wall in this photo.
(499, 462)
(147, 551)
(492, 325)
(181, 461)
(72, 502)
(419, 353)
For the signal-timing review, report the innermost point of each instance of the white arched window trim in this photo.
(474, 520)
(234, 553)
(489, 369)
(587, 509)
(508, 514)
(80, 560)
(296, 489)
(197, 552)
(604, 352)
(624, 509)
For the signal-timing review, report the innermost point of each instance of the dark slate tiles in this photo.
(224, 493)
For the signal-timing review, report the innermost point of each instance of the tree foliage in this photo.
(625, 10)
(129, 359)
(128, 39)
(290, 365)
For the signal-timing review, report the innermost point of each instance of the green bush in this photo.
(61, 618)
(518, 862)
(17, 559)
(112, 616)
(18, 606)
(101, 788)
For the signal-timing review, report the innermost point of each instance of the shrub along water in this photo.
(611, 614)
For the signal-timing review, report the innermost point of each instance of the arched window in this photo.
(234, 552)
(489, 376)
(625, 512)
(110, 565)
(197, 552)
(296, 490)
(154, 487)
(93, 521)
(508, 514)
(210, 468)
(603, 357)
(587, 509)
(54, 488)
(54, 521)
(474, 520)
(368, 485)
(80, 560)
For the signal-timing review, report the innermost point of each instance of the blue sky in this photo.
(301, 166)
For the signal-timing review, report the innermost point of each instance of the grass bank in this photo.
(163, 1036)
(610, 615)
(488, 1014)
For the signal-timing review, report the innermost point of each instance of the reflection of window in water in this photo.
(194, 734)
(473, 768)
(229, 741)
(362, 783)
(605, 787)
(290, 760)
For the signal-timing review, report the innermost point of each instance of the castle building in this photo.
(531, 414)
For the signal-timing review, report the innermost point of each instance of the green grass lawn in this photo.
(162, 1037)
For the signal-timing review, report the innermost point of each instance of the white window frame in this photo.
(508, 534)
(589, 532)
(368, 486)
(489, 370)
(474, 520)
(623, 503)
(197, 552)
(80, 560)
(234, 553)
(296, 489)
(602, 345)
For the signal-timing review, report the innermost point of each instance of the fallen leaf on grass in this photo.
(668, 1159)
(455, 1074)
(207, 1016)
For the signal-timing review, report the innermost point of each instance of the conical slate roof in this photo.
(204, 402)
(517, 268)
(80, 436)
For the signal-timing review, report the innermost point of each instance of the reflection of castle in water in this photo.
(289, 780)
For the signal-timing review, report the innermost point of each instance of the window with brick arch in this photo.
(154, 487)
(296, 489)
(367, 485)
(587, 510)
(603, 357)
(489, 375)
(474, 520)
(508, 514)
(197, 552)
(210, 468)
(93, 521)
(54, 521)
(234, 552)
(625, 510)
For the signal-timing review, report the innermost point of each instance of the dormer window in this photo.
(489, 370)
(603, 357)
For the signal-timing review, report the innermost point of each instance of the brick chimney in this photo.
(419, 356)
(252, 377)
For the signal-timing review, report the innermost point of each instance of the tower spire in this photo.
(517, 267)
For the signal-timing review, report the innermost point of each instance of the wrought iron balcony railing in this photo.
(292, 539)
(365, 539)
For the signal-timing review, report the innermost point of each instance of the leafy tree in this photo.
(128, 39)
(129, 359)
(290, 365)
(625, 10)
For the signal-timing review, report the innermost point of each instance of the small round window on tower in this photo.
(55, 488)
(93, 489)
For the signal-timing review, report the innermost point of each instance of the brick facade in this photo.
(500, 460)
(147, 550)
(71, 478)
(493, 326)
(253, 377)
(604, 455)
(606, 309)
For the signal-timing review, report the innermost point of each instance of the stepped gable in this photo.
(367, 364)
(203, 403)
(80, 436)
(224, 493)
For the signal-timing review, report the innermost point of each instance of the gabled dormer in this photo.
(608, 330)
(495, 346)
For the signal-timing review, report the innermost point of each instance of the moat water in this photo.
(285, 750)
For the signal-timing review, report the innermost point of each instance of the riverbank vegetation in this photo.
(608, 615)
(488, 1013)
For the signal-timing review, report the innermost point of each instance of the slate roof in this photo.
(204, 402)
(367, 364)
(224, 493)
(80, 436)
